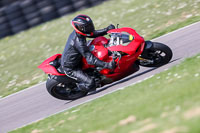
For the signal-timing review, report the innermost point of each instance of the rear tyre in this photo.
(160, 54)
(63, 92)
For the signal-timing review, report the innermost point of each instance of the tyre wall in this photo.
(19, 15)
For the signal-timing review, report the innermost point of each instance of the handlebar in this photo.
(115, 55)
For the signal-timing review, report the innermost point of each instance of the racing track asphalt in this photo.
(35, 103)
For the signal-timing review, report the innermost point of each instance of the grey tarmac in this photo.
(35, 103)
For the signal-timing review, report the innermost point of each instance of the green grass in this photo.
(167, 101)
(21, 54)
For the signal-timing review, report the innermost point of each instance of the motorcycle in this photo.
(124, 45)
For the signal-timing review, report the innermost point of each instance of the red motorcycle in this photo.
(125, 46)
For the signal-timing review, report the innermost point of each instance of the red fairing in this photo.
(124, 64)
(49, 69)
(124, 68)
(132, 47)
(97, 49)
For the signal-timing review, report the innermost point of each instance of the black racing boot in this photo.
(82, 87)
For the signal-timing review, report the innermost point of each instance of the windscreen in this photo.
(122, 38)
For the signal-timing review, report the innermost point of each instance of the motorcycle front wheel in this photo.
(160, 54)
(62, 91)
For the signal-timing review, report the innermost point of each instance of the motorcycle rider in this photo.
(76, 48)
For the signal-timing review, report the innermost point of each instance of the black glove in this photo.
(110, 65)
(110, 27)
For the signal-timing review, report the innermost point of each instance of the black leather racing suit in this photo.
(71, 60)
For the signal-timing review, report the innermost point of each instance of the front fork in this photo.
(143, 58)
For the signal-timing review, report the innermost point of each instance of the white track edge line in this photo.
(185, 27)
(86, 101)
(22, 91)
(152, 40)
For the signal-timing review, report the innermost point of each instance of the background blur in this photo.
(19, 15)
(160, 102)
(20, 54)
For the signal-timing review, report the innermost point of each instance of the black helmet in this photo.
(83, 25)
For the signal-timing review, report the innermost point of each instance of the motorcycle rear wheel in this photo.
(60, 91)
(160, 54)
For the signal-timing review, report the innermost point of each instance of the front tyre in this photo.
(63, 91)
(159, 54)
